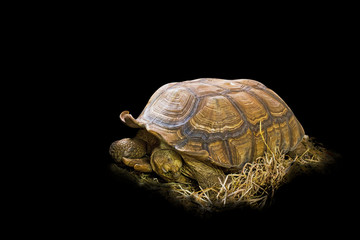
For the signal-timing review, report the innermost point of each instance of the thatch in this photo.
(254, 185)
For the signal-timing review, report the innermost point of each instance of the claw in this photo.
(139, 164)
(143, 167)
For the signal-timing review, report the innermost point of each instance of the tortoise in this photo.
(203, 128)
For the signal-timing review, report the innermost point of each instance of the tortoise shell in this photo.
(219, 120)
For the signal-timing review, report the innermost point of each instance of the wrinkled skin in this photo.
(163, 160)
(132, 153)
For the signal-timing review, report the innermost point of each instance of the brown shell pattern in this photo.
(219, 120)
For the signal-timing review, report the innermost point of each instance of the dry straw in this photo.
(254, 185)
(257, 182)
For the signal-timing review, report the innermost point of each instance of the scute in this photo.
(171, 109)
(220, 120)
(216, 114)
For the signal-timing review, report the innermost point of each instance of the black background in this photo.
(110, 67)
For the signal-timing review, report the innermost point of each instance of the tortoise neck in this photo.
(163, 145)
(151, 140)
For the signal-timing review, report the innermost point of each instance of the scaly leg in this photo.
(132, 153)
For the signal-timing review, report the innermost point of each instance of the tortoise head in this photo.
(168, 164)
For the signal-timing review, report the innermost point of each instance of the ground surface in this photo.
(254, 186)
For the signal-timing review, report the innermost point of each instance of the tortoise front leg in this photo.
(139, 164)
(131, 151)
